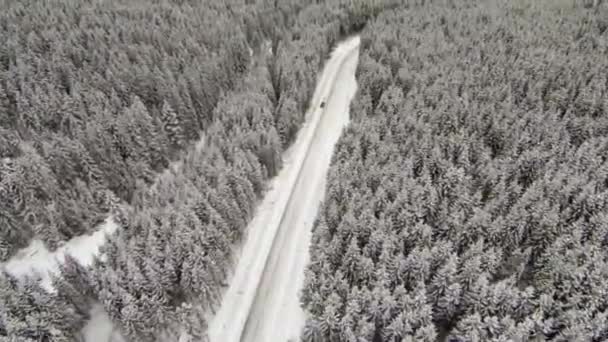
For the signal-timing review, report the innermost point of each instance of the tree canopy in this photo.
(467, 200)
(98, 98)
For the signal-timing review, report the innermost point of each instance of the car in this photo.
(322, 104)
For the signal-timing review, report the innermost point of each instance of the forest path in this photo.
(262, 301)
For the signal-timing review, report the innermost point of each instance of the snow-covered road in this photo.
(262, 301)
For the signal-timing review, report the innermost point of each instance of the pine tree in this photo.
(5, 115)
(287, 118)
(172, 126)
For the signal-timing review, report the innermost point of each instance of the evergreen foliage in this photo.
(467, 200)
(96, 98)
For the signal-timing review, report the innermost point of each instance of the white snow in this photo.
(100, 328)
(262, 301)
(36, 258)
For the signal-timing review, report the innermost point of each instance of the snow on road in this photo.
(262, 301)
(276, 314)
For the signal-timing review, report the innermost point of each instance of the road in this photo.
(262, 301)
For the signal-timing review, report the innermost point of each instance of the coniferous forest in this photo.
(468, 199)
(98, 98)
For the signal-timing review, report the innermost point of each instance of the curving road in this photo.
(262, 301)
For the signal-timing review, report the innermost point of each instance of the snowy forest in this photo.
(466, 201)
(468, 198)
(98, 99)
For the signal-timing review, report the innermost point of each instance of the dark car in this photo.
(322, 104)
